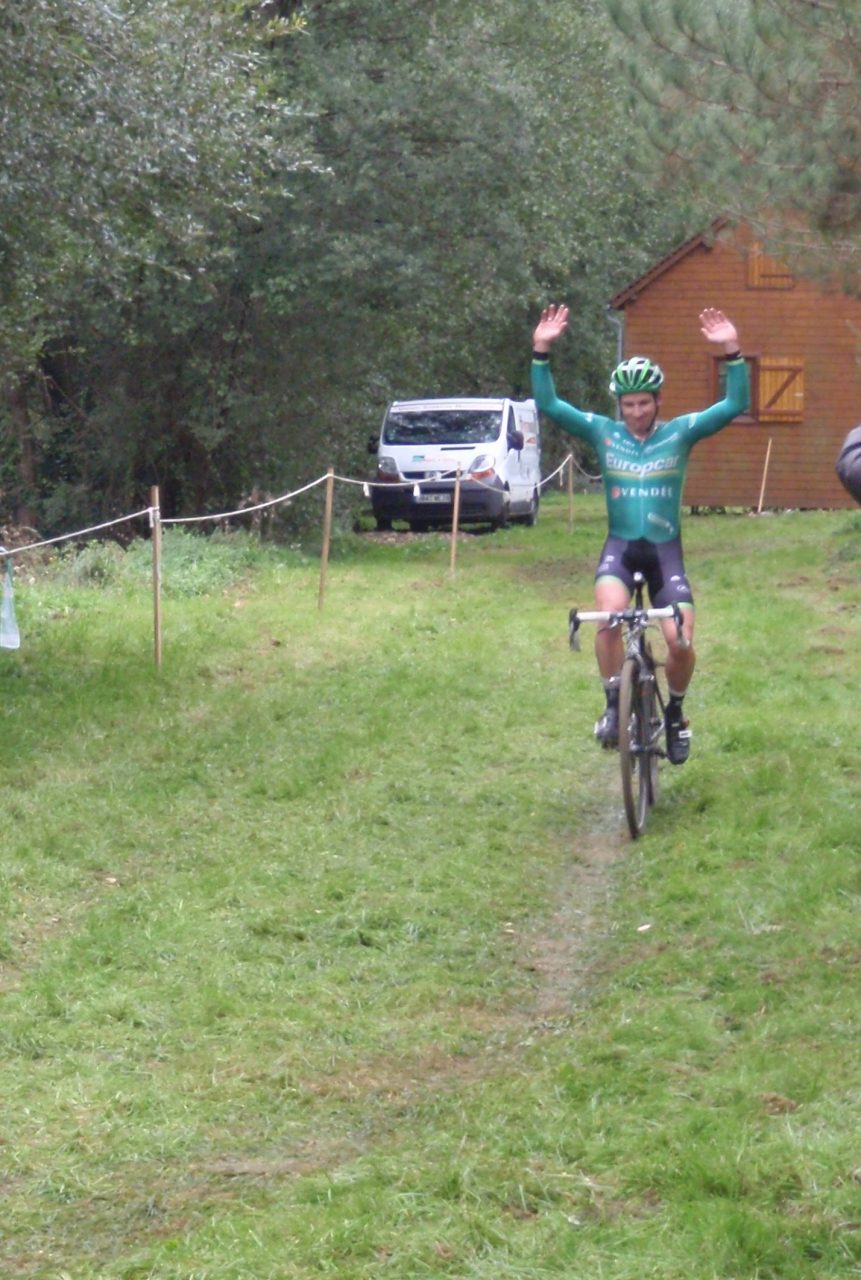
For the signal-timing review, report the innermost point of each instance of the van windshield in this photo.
(443, 426)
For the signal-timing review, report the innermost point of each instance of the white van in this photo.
(495, 443)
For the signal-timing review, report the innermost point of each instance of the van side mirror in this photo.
(515, 440)
(373, 444)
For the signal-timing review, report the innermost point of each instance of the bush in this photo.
(193, 564)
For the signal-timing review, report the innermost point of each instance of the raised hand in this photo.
(715, 327)
(553, 323)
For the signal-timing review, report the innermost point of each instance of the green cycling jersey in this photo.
(643, 479)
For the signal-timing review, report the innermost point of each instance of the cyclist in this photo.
(643, 463)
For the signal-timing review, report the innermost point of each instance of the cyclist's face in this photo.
(639, 410)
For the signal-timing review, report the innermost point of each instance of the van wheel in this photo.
(532, 513)
(384, 524)
(502, 519)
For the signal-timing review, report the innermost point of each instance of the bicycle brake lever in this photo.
(684, 642)
(573, 628)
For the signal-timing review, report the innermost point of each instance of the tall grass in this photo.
(324, 951)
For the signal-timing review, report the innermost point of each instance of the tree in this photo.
(756, 105)
(137, 137)
(466, 182)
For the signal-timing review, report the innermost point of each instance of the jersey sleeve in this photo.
(585, 426)
(720, 415)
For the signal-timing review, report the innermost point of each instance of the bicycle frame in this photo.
(641, 701)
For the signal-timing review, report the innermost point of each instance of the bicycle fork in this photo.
(650, 696)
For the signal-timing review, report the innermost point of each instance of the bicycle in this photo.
(642, 700)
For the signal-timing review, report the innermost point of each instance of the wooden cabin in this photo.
(803, 345)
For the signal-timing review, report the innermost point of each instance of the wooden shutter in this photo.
(780, 389)
(764, 272)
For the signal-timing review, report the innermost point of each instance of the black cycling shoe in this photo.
(607, 728)
(678, 736)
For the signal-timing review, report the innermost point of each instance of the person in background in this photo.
(849, 463)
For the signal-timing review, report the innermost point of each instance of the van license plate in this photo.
(433, 497)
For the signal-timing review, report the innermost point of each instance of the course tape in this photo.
(554, 474)
(80, 533)
(365, 485)
(584, 473)
(244, 511)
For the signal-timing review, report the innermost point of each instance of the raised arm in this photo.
(716, 327)
(553, 323)
(551, 326)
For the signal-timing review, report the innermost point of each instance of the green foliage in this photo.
(756, 106)
(140, 140)
(135, 137)
(237, 247)
(469, 184)
(192, 564)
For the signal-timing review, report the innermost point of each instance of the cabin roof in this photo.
(702, 240)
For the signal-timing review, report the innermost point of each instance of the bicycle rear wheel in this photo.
(634, 754)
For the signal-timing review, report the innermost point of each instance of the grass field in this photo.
(324, 952)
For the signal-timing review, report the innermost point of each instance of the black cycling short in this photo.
(660, 563)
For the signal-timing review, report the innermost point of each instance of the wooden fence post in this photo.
(764, 478)
(155, 517)
(327, 534)
(570, 492)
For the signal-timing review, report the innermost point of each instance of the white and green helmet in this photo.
(638, 373)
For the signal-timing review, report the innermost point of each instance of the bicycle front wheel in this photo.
(653, 722)
(634, 754)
